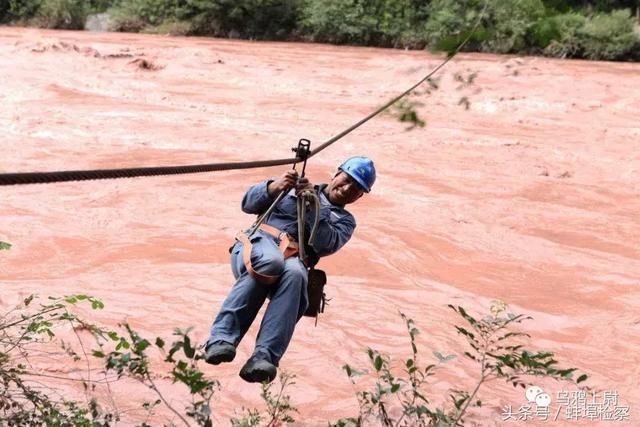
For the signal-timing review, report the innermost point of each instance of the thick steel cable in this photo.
(85, 175)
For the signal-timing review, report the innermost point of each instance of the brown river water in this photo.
(530, 196)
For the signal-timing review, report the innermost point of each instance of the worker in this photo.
(268, 271)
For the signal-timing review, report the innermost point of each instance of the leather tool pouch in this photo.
(315, 291)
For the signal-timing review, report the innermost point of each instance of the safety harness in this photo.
(288, 244)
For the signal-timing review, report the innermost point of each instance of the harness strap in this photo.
(288, 248)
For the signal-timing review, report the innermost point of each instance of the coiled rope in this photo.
(304, 198)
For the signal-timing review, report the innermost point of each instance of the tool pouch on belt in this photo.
(315, 291)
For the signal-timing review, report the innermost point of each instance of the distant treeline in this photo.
(600, 29)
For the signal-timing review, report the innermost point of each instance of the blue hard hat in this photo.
(362, 170)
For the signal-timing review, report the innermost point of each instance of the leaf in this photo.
(377, 363)
(464, 332)
(188, 350)
(97, 304)
(4, 246)
(470, 356)
(348, 370)
(443, 359)
(142, 346)
(581, 378)
(159, 342)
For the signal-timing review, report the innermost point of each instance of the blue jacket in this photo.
(335, 227)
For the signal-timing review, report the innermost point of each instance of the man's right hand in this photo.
(285, 182)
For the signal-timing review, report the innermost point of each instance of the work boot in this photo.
(258, 369)
(219, 352)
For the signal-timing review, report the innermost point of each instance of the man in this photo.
(271, 274)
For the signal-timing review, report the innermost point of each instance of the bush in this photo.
(336, 21)
(254, 19)
(4, 10)
(399, 396)
(23, 10)
(150, 12)
(271, 19)
(449, 20)
(609, 36)
(170, 27)
(124, 354)
(65, 14)
(604, 36)
(396, 23)
(558, 35)
(513, 22)
(505, 26)
(99, 6)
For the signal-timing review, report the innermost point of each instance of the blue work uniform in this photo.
(288, 296)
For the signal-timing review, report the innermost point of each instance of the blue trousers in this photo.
(288, 298)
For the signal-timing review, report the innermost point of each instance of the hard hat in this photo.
(361, 169)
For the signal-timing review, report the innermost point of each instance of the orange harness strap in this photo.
(287, 247)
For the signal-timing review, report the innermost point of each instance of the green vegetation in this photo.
(600, 29)
(396, 398)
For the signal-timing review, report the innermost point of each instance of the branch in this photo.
(475, 391)
(171, 408)
(40, 313)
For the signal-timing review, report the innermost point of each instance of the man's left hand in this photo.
(303, 185)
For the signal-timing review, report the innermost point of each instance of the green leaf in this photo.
(378, 363)
(4, 246)
(188, 350)
(395, 388)
(159, 342)
(142, 346)
(98, 353)
(581, 378)
(97, 305)
(348, 370)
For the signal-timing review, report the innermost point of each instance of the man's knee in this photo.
(270, 262)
